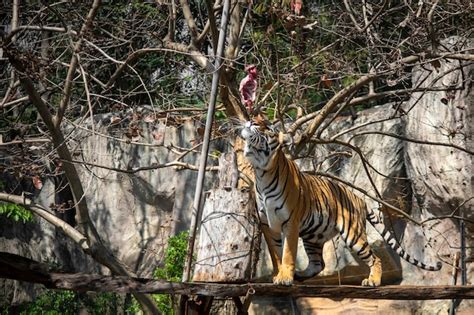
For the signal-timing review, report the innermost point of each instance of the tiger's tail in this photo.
(390, 240)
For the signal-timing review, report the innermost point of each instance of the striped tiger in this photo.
(293, 204)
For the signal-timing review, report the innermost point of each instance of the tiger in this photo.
(293, 204)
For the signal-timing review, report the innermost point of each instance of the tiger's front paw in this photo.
(283, 278)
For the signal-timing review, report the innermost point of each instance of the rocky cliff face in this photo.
(425, 180)
(136, 212)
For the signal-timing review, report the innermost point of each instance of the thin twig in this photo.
(413, 140)
(73, 64)
(154, 166)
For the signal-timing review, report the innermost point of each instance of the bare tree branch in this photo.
(450, 145)
(212, 25)
(73, 64)
(40, 211)
(97, 249)
(188, 16)
(342, 94)
(147, 168)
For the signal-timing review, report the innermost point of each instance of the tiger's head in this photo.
(261, 142)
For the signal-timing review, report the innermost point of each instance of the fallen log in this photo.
(20, 268)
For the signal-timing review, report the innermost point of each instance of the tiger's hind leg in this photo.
(314, 251)
(363, 250)
(355, 237)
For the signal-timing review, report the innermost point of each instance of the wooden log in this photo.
(228, 238)
(127, 285)
(225, 252)
(228, 171)
(23, 269)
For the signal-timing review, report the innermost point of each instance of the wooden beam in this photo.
(122, 284)
(20, 268)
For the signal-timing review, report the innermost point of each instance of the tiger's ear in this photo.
(285, 139)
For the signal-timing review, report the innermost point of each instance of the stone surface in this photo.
(441, 177)
(141, 209)
(136, 213)
(425, 180)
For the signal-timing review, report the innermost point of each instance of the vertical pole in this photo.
(197, 211)
(454, 302)
(463, 251)
(462, 263)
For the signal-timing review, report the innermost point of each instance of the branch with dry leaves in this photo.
(340, 96)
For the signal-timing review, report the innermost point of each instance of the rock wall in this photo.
(424, 180)
(136, 212)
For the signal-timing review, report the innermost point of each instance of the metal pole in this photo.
(197, 211)
(463, 251)
(462, 229)
(454, 302)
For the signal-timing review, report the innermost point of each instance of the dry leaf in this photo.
(115, 120)
(37, 182)
(391, 82)
(200, 131)
(136, 116)
(149, 118)
(436, 64)
(133, 133)
(327, 83)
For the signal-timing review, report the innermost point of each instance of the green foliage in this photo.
(59, 302)
(172, 270)
(133, 307)
(54, 303)
(348, 80)
(15, 212)
(174, 258)
(220, 115)
(146, 9)
(103, 303)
